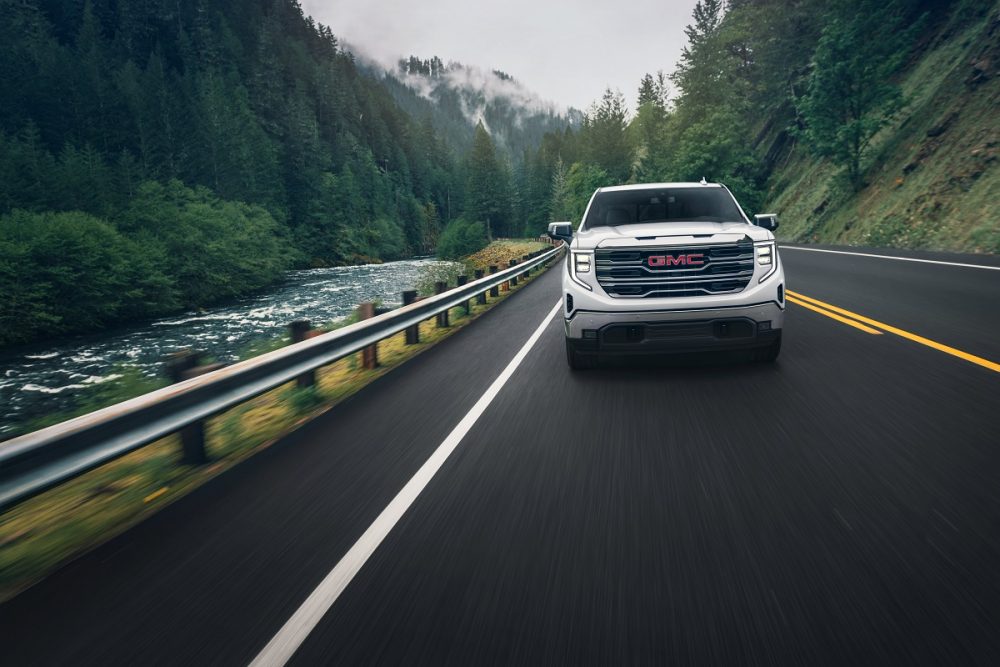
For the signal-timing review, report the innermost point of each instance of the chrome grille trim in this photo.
(625, 272)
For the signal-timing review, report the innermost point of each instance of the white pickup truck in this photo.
(670, 268)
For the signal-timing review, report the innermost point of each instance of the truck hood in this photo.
(668, 233)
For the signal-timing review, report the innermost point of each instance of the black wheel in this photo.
(769, 353)
(579, 361)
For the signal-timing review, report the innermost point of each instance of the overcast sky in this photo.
(567, 52)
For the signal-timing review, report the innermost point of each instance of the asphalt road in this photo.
(841, 506)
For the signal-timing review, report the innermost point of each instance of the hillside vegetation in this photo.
(865, 122)
(933, 180)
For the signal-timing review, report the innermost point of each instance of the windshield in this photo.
(629, 207)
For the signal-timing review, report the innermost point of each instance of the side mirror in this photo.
(766, 220)
(561, 231)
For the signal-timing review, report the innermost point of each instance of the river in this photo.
(38, 380)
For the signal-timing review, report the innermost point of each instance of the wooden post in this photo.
(369, 355)
(527, 272)
(179, 368)
(481, 297)
(442, 318)
(495, 290)
(513, 280)
(412, 332)
(300, 330)
(179, 362)
(462, 280)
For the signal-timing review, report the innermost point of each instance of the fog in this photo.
(567, 52)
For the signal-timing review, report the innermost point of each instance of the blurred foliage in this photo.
(461, 238)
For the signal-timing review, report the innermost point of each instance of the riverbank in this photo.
(82, 372)
(39, 535)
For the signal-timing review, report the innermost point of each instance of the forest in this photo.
(158, 156)
(755, 78)
(163, 155)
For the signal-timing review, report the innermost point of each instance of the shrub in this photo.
(461, 238)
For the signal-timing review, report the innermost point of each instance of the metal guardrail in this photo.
(38, 461)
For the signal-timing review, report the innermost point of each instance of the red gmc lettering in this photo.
(695, 259)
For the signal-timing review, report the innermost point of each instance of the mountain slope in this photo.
(932, 178)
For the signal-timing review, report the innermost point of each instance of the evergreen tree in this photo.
(488, 194)
(560, 192)
(698, 75)
(653, 91)
(604, 138)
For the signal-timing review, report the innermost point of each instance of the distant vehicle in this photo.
(670, 268)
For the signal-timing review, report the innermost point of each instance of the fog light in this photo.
(590, 333)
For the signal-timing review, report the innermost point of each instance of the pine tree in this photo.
(604, 137)
(698, 73)
(488, 197)
(560, 192)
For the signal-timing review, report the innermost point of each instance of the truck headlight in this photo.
(578, 263)
(766, 256)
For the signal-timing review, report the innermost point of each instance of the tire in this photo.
(578, 361)
(768, 354)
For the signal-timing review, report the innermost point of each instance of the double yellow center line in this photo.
(871, 326)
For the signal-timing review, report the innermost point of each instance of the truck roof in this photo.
(648, 186)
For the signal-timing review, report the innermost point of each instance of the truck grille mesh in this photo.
(627, 273)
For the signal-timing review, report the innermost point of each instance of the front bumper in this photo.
(658, 331)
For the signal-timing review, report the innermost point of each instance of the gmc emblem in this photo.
(696, 259)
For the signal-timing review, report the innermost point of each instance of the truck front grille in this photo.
(628, 272)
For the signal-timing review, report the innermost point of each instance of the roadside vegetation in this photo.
(42, 533)
(931, 171)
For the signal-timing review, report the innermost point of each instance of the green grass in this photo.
(930, 192)
(39, 535)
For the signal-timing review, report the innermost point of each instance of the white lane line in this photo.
(901, 259)
(291, 635)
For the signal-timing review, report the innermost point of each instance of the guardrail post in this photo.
(495, 290)
(442, 317)
(481, 297)
(412, 332)
(513, 279)
(300, 330)
(463, 279)
(527, 272)
(180, 362)
(183, 366)
(369, 355)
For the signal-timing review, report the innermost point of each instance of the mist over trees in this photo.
(459, 97)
